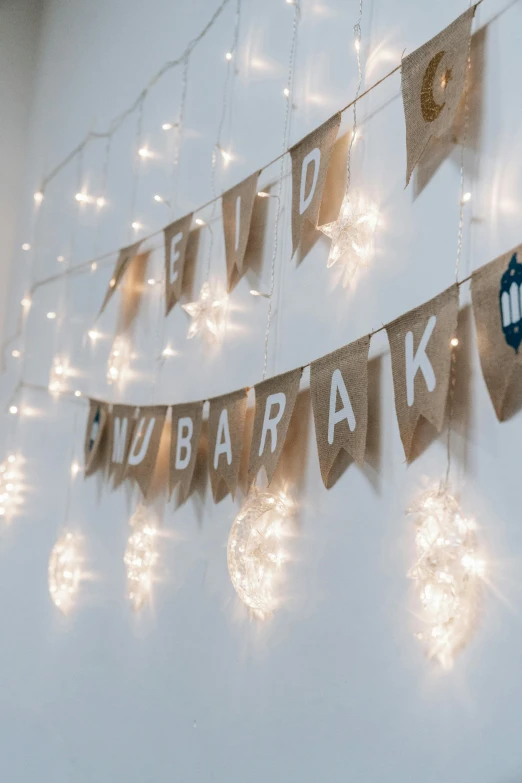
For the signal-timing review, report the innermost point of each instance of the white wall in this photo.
(334, 687)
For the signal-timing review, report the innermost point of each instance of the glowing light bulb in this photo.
(64, 573)
(10, 498)
(140, 557)
(228, 56)
(262, 194)
(144, 152)
(15, 353)
(255, 551)
(454, 342)
(448, 574)
(26, 302)
(118, 360)
(83, 198)
(286, 92)
(77, 393)
(93, 334)
(57, 376)
(168, 352)
(227, 157)
(11, 459)
(13, 409)
(254, 292)
(167, 126)
(75, 467)
(151, 281)
(199, 222)
(357, 44)
(51, 315)
(466, 197)
(38, 197)
(26, 246)
(94, 266)
(136, 226)
(60, 259)
(100, 201)
(158, 198)
(208, 313)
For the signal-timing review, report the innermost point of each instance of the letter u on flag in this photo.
(339, 391)
(310, 159)
(143, 452)
(184, 443)
(275, 400)
(420, 347)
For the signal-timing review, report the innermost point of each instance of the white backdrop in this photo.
(334, 687)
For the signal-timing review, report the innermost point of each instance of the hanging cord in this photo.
(71, 476)
(288, 107)
(357, 37)
(137, 167)
(453, 369)
(105, 175)
(180, 127)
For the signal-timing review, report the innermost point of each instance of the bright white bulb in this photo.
(199, 222)
(100, 201)
(118, 360)
(466, 197)
(454, 342)
(158, 198)
(51, 315)
(93, 334)
(140, 557)
(94, 266)
(15, 353)
(11, 459)
(262, 194)
(357, 45)
(57, 376)
(168, 352)
(144, 152)
(26, 246)
(26, 302)
(286, 92)
(38, 197)
(64, 573)
(227, 157)
(13, 409)
(136, 226)
(75, 468)
(228, 56)
(167, 126)
(60, 259)
(151, 281)
(77, 393)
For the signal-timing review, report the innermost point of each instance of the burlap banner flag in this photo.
(237, 205)
(275, 400)
(143, 451)
(176, 237)
(184, 442)
(433, 78)
(226, 423)
(310, 159)
(120, 430)
(95, 436)
(420, 347)
(496, 293)
(339, 391)
(124, 258)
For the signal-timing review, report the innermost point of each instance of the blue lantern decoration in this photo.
(510, 301)
(95, 428)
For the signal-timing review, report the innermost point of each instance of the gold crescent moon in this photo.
(429, 107)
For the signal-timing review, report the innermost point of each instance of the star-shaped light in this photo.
(208, 312)
(352, 236)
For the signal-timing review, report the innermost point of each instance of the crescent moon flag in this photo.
(433, 79)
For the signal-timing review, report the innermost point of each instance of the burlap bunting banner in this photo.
(94, 436)
(120, 430)
(226, 423)
(124, 258)
(339, 391)
(184, 442)
(237, 205)
(176, 236)
(310, 159)
(420, 347)
(433, 78)
(275, 400)
(496, 293)
(143, 452)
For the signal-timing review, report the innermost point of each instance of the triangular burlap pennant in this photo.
(143, 452)
(310, 159)
(275, 400)
(124, 258)
(226, 423)
(496, 293)
(237, 205)
(420, 347)
(94, 436)
(339, 390)
(176, 237)
(120, 429)
(184, 443)
(433, 78)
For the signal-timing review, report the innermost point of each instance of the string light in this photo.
(454, 342)
(100, 201)
(255, 551)
(253, 292)
(286, 92)
(448, 574)
(158, 198)
(25, 302)
(168, 352)
(227, 156)
(60, 259)
(208, 313)
(15, 353)
(10, 477)
(262, 194)
(167, 126)
(26, 246)
(57, 376)
(77, 393)
(94, 266)
(51, 315)
(93, 334)
(64, 572)
(140, 557)
(136, 226)
(83, 198)
(151, 281)
(118, 360)
(75, 468)
(466, 197)
(144, 152)
(13, 409)
(199, 222)
(38, 197)
(228, 56)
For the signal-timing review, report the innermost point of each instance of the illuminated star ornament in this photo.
(448, 574)
(352, 236)
(208, 313)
